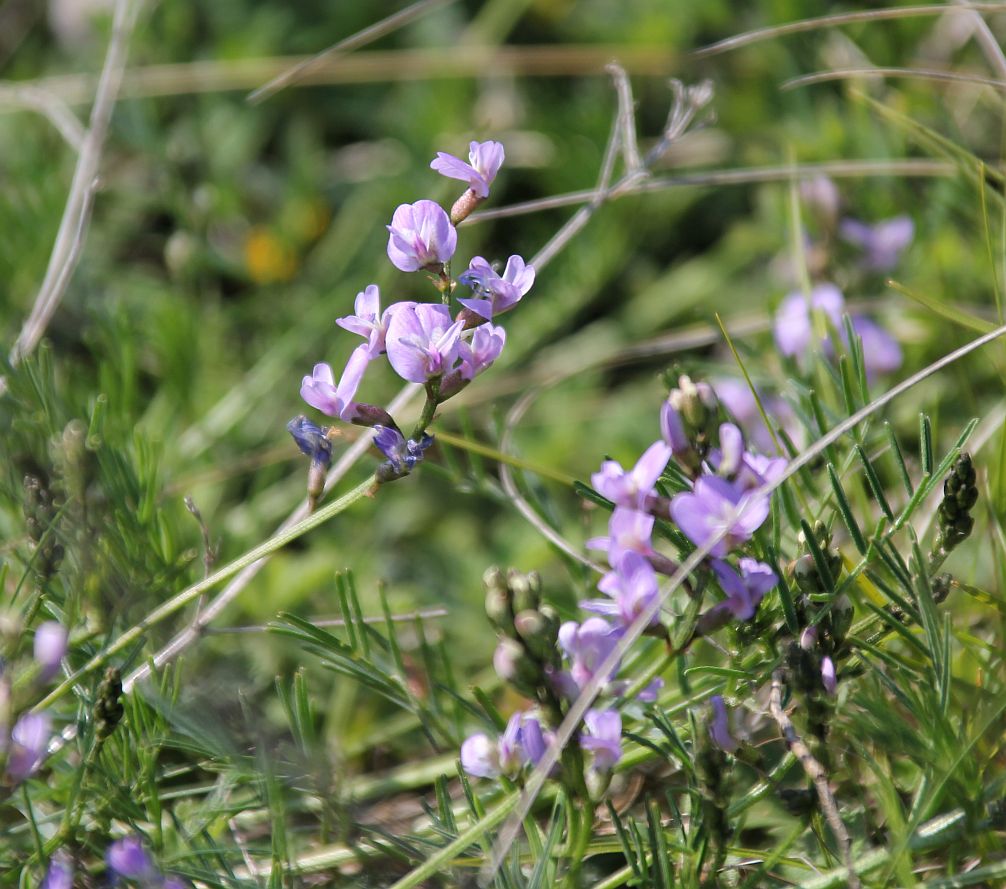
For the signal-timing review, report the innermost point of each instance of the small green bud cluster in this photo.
(39, 514)
(528, 630)
(959, 496)
(107, 705)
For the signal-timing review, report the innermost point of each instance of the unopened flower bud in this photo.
(498, 605)
(107, 706)
(512, 664)
(538, 632)
(525, 588)
(808, 638)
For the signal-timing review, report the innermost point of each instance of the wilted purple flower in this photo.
(481, 351)
(628, 531)
(129, 860)
(632, 588)
(28, 742)
(421, 235)
(496, 294)
(319, 389)
(50, 648)
(59, 874)
(368, 321)
(882, 243)
(311, 439)
(402, 455)
(422, 340)
(745, 590)
(588, 645)
(793, 326)
(719, 726)
(828, 677)
(881, 352)
(630, 489)
(603, 737)
(485, 160)
(716, 506)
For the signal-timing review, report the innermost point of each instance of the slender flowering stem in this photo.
(191, 593)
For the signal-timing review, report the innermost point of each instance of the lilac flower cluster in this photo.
(23, 745)
(423, 342)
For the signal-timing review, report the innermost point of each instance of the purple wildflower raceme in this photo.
(882, 243)
(49, 648)
(603, 738)
(496, 294)
(632, 588)
(420, 236)
(319, 389)
(368, 321)
(719, 726)
(709, 509)
(485, 160)
(746, 589)
(28, 742)
(423, 341)
(631, 489)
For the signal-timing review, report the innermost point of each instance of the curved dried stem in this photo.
(881, 73)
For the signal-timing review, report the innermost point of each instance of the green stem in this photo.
(191, 593)
(429, 409)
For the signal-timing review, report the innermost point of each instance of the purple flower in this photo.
(588, 645)
(881, 352)
(632, 586)
(480, 756)
(59, 875)
(422, 341)
(311, 439)
(402, 455)
(534, 741)
(649, 694)
(50, 648)
(28, 742)
(745, 590)
(828, 677)
(628, 531)
(495, 294)
(368, 321)
(485, 160)
(630, 489)
(603, 737)
(793, 326)
(719, 726)
(129, 860)
(718, 507)
(319, 389)
(739, 400)
(420, 236)
(821, 194)
(731, 451)
(484, 348)
(883, 243)
(672, 429)
(522, 741)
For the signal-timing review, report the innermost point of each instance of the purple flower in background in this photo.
(883, 243)
(649, 694)
(28, 742)
(59, 874)
(50, 648)
(496, 294)
(588, 645)
(485, 160)
(821, 194)
(757, 470)
(881, 352)
(793, 325)
(603, 737)
(739, 400)
(402, 455)
(710, 508)
(484, 348)
(129, 860)
(628, 531)
(632, 588)
(745, 590)
(828, 677)
(421, 235)
(422, 340)
(368, 321)
(319, 389)
(630, 489)
(719, 726)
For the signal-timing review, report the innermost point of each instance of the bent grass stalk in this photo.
(193, 592)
